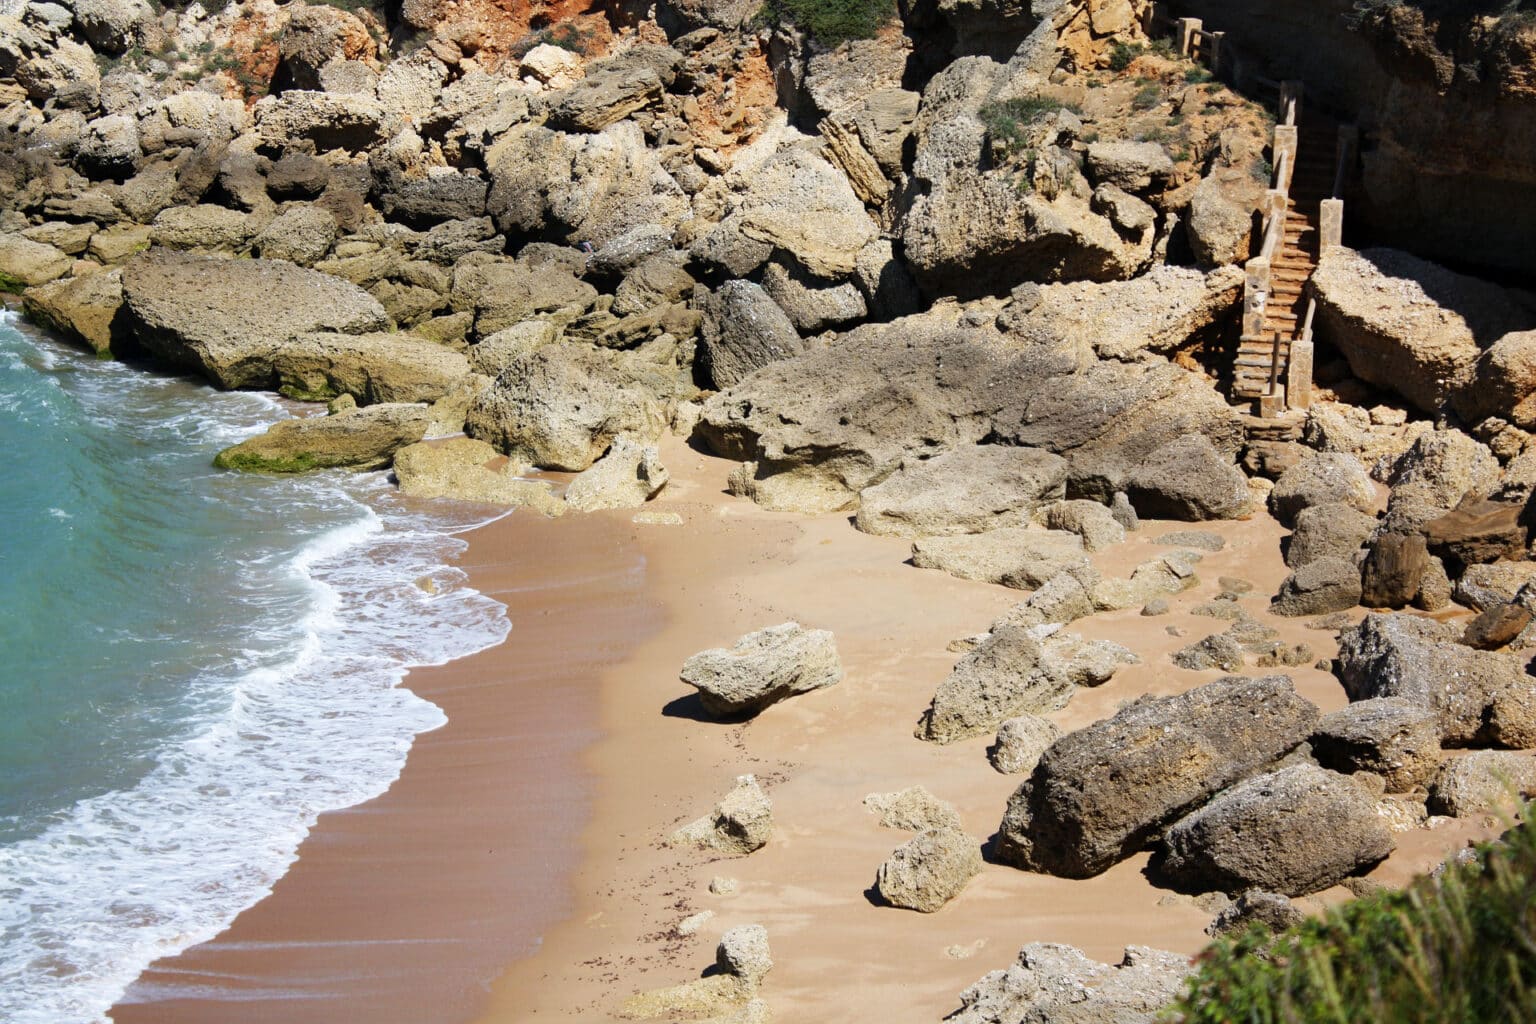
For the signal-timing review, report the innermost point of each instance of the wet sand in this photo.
(573, 750)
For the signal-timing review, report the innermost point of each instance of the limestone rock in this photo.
(111, 26)
(24, 263)
(468, 470)
(218, 317)
(1505, 382)
(1013, 556)
(627, 477)
(1065, 597)
(1478, 531)
(379, 367)
(967, 490)
(561, 406)
(1321, 478)
(743, 330)
(1056, 984)
(360, 439)
(1393, 737)
(86, 309)
(1496, 627)
(1331, 530)
(1221, 222)
(503, 294)
(1294, 831)
(913, 809)
(494, 354)
(1317, 588)
(1486, 781)
(1102, 793)
(1006, 675)
(1093, 522)
(612, 90)
(315, 36)
(929, 870)
(1188, 479)
(1172, 573)
(300, 234)
(743, 953)
(1256, 908)
(1440, 468)
(739, 824)
(763, 668)
(1020, 743)
(813, 305)
(1487, 586)
(331, 121)
(1133, 166)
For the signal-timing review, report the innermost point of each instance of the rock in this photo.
(85, 309)
(300, 234)
(332, 121)
(217, 317)
(1269, 910)
(811, 304)
(379, 367)
(561, 406)
(494, 354)
(1102, 793)
(1188, 479)
(967, 490)
(1093, 522)
(468, 470)
(204, 228)
(1319, 479)
(1169, 574)
(1013, 556)
(1401, 655)
(111, 26)
(929, 870)
(360, 439)
(627, 477)
(1020, 742)
(1394, 570)
(503, 293)
(1330, 530)
(612, 90)
(1393, 737)
(1201, 539)
(743, 953)
(117, 243)
(1486, 781)
(1294, 831)
(763, 668)
(1133, 166)
(1220, 229)
(913, 809)
(1496, 627)
(657, 281)
(315, 36)
(739, 824)
(1317, 588)
(1407, 325)
(109, 148)
(24, 263)
(1058, 984)
(1065, 597)
(1488, 586)
(1215, 651)
(1478, 531)
(1008, 674)
(1504, 382)
(1440, 468)
(743, 330)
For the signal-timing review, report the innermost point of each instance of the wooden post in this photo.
(1330, 225)
(1298, 375)
(1187, 29)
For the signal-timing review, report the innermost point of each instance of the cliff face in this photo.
(1446, 101)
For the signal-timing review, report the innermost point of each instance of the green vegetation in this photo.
(566, 35)
(13, 285)
(324, 393)
(829, 22)
(1121, 54)
(249, 462)
(1459, 948)
(1147, 97)
(1007, 121)
(1197, 75)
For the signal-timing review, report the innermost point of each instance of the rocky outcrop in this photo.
(1295, 831)
(86, 309)
(1102, 793)
(968, 490)
(464, 469)
(225, 319)
(1409, 326)
(359, 439)
(562, 406)
(739, 824)
(1393, 737)
(763, 668)
(1058, 984)
(929, 870)
(380, 367)
(628, 476)
(1014, 672)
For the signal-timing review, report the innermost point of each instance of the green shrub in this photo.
(566, 35)
(1147, 97)
(1121, 54)
(1197, 74)
(1007, 121)
(830, 22)
(1458, 949)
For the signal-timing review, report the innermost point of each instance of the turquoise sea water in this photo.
(193, 665)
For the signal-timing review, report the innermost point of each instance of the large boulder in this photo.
(1133, 166)
(359, 439)
(929, 870)
(502, 293)
(1485, 781)
(823, 426)
(301, 234)
(1420, 659)
(24, 263)
(1102, 793)
(379, 367)
(1056, 984)
(111, 26)
(1018, 557)
(1188, 479)
(331, 121)
(614, 88)
(1394, 570)
(743, 330)
(1093, 522)
(561, 406)
(968, 490)
(315, 36)
(1439, 469)
(1329, 530)
(1319, 588)
(1478, 531)
(739, 824)
(1295, 831)
(468, 470)
(1505, 382)
(1220, 226)
(226, 319)
(204, 227)
(1393, 737)
(763, 668)
(1015, 672)
(626, 477)
(1321, 478)
(1410, 326)
(86, 309)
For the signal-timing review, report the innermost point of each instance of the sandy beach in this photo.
(523, 845)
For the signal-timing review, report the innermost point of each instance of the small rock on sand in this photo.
(1202, 539)
(929, 870)
(913, 809)
(740, 823)
(763, 668)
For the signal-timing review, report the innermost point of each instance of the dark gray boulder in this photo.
(1188, 479)
(1393, 737)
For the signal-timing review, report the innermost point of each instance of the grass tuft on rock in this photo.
(830, 22)
(250, 462)
(1459, 947)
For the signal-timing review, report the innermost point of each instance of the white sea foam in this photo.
(307, 719)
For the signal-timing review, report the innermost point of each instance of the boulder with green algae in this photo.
(360, 439)
(84, 309)
(464, 469)
(375, 367)
(24, 263)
